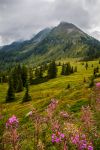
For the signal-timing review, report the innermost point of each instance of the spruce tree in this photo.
(84, 80)
(27, 96)
(91, 84)
(38, 73)
(17, 78)
(68, 86)
(86, 66)
(63, 70)
(10, 93)
(75, 69)
(31, 75)
(19, 87)
(68, 69)
(72, 70)
(92, 65)
(52, 70)
(24, 75)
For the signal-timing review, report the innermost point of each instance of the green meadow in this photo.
(73, 98)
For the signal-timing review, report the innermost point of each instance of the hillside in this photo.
(62, 41)
(70, 101)
(66, 40)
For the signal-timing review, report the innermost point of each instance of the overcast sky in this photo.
(21, 19)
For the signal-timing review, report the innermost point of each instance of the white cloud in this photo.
(1, 41)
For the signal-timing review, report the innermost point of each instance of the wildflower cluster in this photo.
(51, 108)
(12, 122)
(98, 85)
(12, 125)
(81, 142)
(57, 137)
(87, 117)
(66, 132)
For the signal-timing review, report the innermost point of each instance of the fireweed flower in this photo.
(90, 147)
(81, 142)
(12, 125)
(51, 107)
(87, 117)
(98, 85)
(12, 122)
(57, 137)
(55, 125)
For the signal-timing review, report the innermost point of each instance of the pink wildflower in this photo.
(98, 85)
(57, 137)
(90, 147)
(81, 142)
(13, 121)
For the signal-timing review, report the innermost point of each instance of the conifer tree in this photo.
(19, 87)
(24, 75)
(84, 80)
(68, 69)
(38, 73)
(92, 65)
(68, 86)
(91, 84)
(72, 70)
(63, 70)
(17, 78)
(10, 93)
(30, 75)
(75, 69)
(52, 70)
(86, 66)
(27, 96)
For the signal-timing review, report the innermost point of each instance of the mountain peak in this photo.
(66, 24)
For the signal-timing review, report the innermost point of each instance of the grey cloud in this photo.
(20, 19)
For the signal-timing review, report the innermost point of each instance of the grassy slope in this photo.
(55, 88)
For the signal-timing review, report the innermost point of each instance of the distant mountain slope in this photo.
(19, 51)
(64, 40)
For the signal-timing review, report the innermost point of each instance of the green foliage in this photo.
(27, 96)
(24, 75)
(72, 99)
(91, 84)
(19, 76)
(78, 105)
(52, 70)
(68, 86)
(10, 93)
(67, 69)
(38, 73)
(86, 65)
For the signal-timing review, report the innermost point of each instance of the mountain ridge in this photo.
(62, 41)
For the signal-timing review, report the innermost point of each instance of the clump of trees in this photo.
(18, 80)
(19, 77)
(52, 70)
(67, 69)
